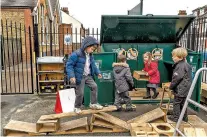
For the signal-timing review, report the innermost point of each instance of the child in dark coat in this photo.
(181, 82)
(123, 82)
(151, 69)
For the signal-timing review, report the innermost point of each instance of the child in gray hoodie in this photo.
(123, 83)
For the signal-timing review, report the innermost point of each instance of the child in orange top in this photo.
(151, 69)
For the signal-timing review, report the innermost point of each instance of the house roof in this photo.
(66, 19)
(199, 8)
(53, 4)
(18, 3)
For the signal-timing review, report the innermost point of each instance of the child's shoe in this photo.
(119, 108)
(77, 110)
(172, 119)
(96, 106)
(146, 97)
(185, 119)
(155, 95)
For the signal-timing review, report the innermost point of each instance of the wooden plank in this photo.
(82, 122)
(21, 126)
(189, 132)
(114, 120)
(200, 125)
(14, 133)
(84, 112)
(163, 128)
(107, 130)
(149, 116)
(80, 130)
(193, 119)
(159, 120)
(200, 132)
(182, 126)
(159, 97)
(137, 93)
(102, 123)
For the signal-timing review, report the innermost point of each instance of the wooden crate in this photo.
(47, 125)
(140, 75)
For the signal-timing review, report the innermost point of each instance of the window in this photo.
(42, 24)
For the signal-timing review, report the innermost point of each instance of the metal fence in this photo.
(17, 71)
(63, 42)
(195, 38)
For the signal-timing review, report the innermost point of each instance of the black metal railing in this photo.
(65, 41)
(195, 38)
(17, 71)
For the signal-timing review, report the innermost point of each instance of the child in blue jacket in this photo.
(81, 69)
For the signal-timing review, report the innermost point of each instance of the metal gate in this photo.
(21, 45)
(17, 66)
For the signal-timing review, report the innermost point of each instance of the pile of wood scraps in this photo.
(50, 124)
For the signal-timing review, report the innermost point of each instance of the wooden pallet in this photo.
(19, 128)
(148, 117)
(77, 126)
(103, 122)
(84, 112)
(47, 126)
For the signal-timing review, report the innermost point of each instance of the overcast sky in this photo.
(89, 11)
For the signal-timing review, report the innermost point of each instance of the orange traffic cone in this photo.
(58, 106)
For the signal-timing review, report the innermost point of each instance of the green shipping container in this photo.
(143, 33)
(146, 33)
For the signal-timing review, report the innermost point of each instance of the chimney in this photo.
(182, 12)
(65, 9)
